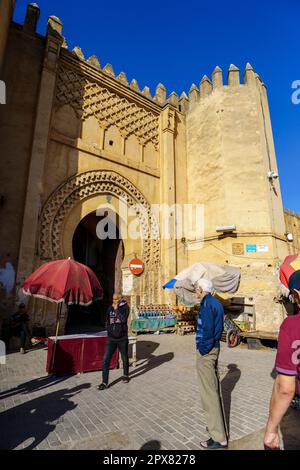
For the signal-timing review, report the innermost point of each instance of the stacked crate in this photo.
(186, 320)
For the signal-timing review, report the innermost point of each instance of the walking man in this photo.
(209, 330)
(288, 367)
(117, 337)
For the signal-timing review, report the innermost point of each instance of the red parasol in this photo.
(61, 281)
(288, 267)
(64, 280)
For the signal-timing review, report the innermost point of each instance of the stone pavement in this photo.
(160, 407)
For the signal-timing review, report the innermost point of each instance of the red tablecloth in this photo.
(77, 354)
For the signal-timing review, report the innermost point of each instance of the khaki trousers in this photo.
(210, 393)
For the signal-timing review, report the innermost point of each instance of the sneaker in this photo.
(102, 386)
(125, 379)
(22, 350)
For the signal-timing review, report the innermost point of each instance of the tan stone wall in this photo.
(21, 73)
(181, 194)
(292, 221)
(6, 12)
(226, 167)
(230, 150)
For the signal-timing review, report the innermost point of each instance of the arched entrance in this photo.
(79, 196)
(105, 258)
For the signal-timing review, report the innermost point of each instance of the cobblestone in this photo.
(161, 402)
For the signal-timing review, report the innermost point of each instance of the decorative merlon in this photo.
(233, 68)
(134, 85)
(78, 52)
(173, 99)
(183, 96)
(94, 61)
(217, 77)
(146, 92)
(183, 102)
(217, 70)
(249, 75)
(160, 94)
(54, 25)
(122, 78)
(205, 86)
(193, 94)
(193, 88)
(233, 76)
(108, 69)
(32, 17)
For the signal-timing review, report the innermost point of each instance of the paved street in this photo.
(159, 408)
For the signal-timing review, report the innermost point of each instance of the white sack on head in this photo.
(205, 284)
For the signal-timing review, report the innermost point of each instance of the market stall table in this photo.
(78, 353)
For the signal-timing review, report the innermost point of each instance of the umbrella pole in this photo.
(59, 307)
(58, 314)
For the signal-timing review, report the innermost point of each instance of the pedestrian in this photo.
(117, 337)
(209, 330)
(287, 365)
(19, 327)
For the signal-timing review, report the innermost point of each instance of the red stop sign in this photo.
(136, 266)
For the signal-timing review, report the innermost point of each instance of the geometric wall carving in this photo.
(89, 98)
(81, 186)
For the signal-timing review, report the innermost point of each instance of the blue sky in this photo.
(176, 43)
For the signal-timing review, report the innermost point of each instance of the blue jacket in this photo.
(210, 323)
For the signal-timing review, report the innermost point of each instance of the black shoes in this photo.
(102, 386)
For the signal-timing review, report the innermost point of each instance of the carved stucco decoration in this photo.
(84, 185)
(89, 98)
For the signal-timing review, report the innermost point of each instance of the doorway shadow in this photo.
(36, 419)
(228, 384)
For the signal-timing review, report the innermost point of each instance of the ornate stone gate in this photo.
(101, 182)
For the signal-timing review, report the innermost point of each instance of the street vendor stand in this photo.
(153, 318)
(80, 353)
(77, 353)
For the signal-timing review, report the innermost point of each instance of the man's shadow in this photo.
(33, 386)
(151, 445)
(36, 418)
(227, 386)
(145, 350)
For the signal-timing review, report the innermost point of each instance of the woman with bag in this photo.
(117, 337)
